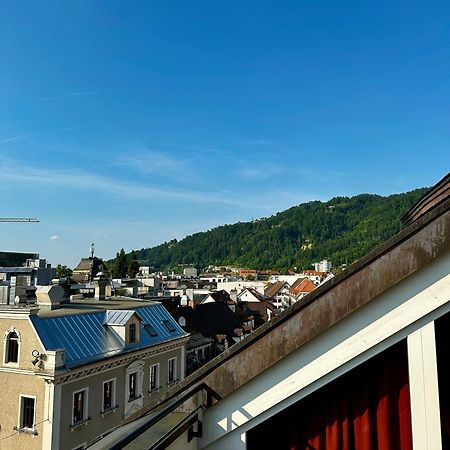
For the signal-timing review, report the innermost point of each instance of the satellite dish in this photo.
(35, 353)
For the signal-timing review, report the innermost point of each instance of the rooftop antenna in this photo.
(92, 250)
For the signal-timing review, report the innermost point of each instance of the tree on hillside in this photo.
(63, 271)
(133, 264)
(120, 264)
(342, 230)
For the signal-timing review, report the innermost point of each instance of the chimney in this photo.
(102, 287)
(49, 297)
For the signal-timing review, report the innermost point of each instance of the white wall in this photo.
(402, 310)
(240, 285)
(290, 279)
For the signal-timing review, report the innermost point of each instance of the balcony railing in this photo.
(185, 425)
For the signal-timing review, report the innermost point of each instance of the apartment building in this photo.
(72, 371)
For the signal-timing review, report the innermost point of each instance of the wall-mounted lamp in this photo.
(37, 357)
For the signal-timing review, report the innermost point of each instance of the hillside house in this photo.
(301, 288)
(278, 293)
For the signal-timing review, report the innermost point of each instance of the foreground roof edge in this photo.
(435, 195)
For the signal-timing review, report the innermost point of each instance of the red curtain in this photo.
(367, 409)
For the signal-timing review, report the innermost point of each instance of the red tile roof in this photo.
(305, 286)
(314, 272)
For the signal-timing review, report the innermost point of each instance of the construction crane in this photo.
(18, 219)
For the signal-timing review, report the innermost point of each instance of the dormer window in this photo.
(132, 333)
(125, 324)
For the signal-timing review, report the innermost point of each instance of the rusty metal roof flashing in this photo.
(435, 195)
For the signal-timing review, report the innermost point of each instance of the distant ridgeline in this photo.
(341, 230)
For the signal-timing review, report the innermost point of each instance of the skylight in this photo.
(169, 325)
(150, 330)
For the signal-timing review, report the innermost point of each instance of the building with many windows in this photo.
(72, 371)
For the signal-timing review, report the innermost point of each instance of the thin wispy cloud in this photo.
(70, 95)
(198, 149)
(40, 135)
(150, 161)
(254, 142)
(14, 138)
(54, 237)
(21, 175)
(259, 171)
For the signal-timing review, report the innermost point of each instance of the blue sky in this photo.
(131, 123)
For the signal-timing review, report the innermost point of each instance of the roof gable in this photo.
(305, 286)
(119, 317)
(256, 294)
(273, 288)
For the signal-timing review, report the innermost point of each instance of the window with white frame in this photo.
(11, 347)
(171, 370)
(109, 395)
(154, 377)
(134, 397)
(27, 418)
(132, 386)
(79, 406)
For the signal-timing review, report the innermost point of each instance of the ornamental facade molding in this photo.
(106, 365)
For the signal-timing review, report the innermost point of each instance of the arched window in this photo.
(12, 348)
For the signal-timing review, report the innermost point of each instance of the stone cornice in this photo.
(15, 314)
(16, 371)
(110, 363)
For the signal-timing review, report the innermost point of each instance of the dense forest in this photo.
(342, 230)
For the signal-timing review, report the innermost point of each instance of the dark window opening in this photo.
(132, 333)
(153, 377)
(107, 395)
(132, 388)
(12, 348)
(171, 375)
(78, 406)
(27, 419)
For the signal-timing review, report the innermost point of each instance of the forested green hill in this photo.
(342, 230)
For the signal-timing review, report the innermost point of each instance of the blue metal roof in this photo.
(86, 339)
(118, 316)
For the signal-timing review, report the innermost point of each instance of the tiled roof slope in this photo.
(304, 286)
(273, 288)
(86, 339)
